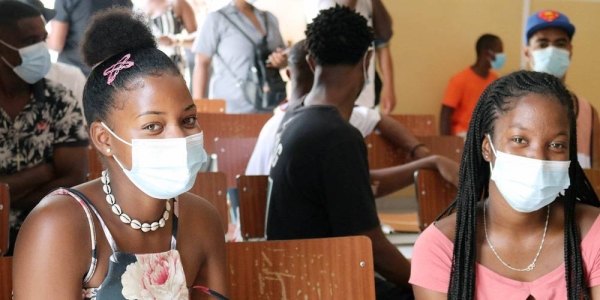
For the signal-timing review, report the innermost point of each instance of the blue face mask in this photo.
(551, 60)
(499, 60)
(35, 61)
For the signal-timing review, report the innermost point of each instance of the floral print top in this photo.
(135, 276)
(52, 118)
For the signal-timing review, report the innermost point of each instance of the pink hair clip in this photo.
(113, 70)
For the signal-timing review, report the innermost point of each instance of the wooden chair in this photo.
(418, 125)
(233, 155)
(383, 154)
(95, 164)
(213, 106)
(252, 194)
(212, 187)
(325, 269)
(593, 176)
(4, 218)
(230, 126)
(6, 278)
(434, 194)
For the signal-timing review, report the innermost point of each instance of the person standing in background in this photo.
(173, 23)
(69, 24)
(464, 88)
(224, 43)
(548, 37)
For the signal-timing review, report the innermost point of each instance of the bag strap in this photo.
(238, 28)
(239, 80)
(264, 40)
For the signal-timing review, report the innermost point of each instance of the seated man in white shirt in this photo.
(384, 181)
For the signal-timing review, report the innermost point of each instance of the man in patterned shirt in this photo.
(43, 140)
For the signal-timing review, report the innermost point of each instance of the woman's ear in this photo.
(100, 137)
(486, 149)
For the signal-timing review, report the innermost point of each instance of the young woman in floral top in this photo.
(135, 233)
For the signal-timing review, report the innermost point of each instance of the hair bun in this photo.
(113, 31)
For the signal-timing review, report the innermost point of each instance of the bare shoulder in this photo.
(52, 237)
(447, 226)
(54, 217)
(198, 204)
(586, 216)
(199, 211)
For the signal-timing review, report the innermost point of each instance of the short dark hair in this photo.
(485, 42)
(12, 11)
(297, 54)
(111, 35)
(338, 36)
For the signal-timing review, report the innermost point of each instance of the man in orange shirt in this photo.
(464, 88)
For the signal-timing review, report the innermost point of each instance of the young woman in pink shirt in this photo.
(526, 219)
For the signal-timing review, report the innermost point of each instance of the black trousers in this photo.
(385, 290)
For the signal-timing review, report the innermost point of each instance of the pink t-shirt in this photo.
(432, 261)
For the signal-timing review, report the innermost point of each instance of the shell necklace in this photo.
(135, 224)
(532, 264)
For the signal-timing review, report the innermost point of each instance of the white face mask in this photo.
(365, 74)
(551, 60)
(164, 168)
(528, 184)
(35, 62)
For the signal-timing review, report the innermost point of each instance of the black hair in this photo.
(111, 35)
(338, 36)
(12, 11)
(485, 42)
(297, 60)
(297, 55)
(497, 99)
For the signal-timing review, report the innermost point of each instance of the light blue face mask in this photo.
(35, 61)
(365, 71)
(499, 60)
(551, 60)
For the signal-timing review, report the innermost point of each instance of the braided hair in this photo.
(474, 175)
(111, 35)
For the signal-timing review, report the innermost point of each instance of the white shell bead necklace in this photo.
(135, 224)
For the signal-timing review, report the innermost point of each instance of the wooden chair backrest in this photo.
(6, 278)
(418, 125)
(230, 126)
(325, 269)
(593, 176)
(233, 155)
(252, 195)
(213, 187)
(95, 164)
(213, 106)
(4, 218)
(383, 154)
(434, 194)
